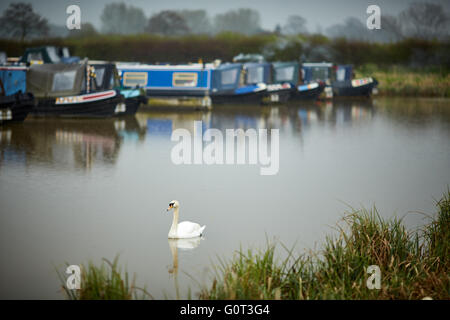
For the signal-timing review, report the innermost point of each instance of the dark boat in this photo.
(68, 90)
(107, 78)
(15, 102)
(261, 73)
(48, 54)
(339, 80)
(301, 89)
(257, 70)
(228, 86)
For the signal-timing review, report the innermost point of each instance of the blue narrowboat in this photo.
(261, 72)
(231, 83)
(15, 101)
(167, 80)
(289, 72)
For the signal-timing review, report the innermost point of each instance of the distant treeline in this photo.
(146, 48)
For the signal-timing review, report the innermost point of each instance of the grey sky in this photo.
(317, 12)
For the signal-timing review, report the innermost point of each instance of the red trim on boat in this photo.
(98, 95)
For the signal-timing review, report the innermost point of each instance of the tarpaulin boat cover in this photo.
(56, 80)
(226, 77)
(257, 73)
(286, 72)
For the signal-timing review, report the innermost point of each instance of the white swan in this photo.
(185, 229)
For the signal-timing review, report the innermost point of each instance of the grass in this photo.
(104, 282)
(413, 265)
(404, 82)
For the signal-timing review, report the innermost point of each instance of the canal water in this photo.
(74, 191)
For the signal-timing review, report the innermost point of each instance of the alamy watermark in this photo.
(74, 19)
(374, 20)
(374, 280)
(73, 281)
(191, 150)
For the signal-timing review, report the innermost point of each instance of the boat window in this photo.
(34, 56)
(133, 79)
(99, 74)
(65, 52)
(54, 57)
(229, 76)
(340, 74)
(255, 75)
(63, 81)
(319, 73)
(284, 74)
(184, 79)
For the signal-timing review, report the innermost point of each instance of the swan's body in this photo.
(185, 229)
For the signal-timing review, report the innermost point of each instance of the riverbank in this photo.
(413, 265)
(409, 83)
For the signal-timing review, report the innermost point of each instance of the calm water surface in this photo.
(79, 190)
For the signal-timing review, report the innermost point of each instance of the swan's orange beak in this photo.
(170, 207)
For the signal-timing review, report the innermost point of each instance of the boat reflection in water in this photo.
(67, 143)
(71, 143)
(183, 244)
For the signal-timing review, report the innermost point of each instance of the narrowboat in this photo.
(48, 54)
(167, 80)
(69, 90)
(107, 78)
(261, 72)
(338, 80)
(289, 73)
(231, 85)
(15, 101)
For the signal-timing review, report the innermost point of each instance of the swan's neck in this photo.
(173, 228)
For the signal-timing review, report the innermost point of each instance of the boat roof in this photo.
(285, 64)
(318, 64)
(196, 66)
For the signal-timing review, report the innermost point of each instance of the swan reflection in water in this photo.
(183, 244)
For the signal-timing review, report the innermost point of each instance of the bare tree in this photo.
(295, 25)
(425, 20)
(197, 21)
(122, 19)
(19, 20)
(167, 23)
(353, 29)
(246, 21)
(391, 28)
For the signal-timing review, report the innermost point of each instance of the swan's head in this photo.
(173, 204)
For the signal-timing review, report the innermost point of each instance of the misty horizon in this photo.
(318, 15)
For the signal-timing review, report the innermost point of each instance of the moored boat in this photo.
(229, 86)
(167, 80)
(68, 90)
(301, 89)
(339, 80)
(261, 72)
(15, 101)
(107, 78)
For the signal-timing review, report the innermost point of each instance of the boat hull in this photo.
(232, 98)
(132, 105)
(308, 93)
(94, 109)
(278, 93)
(351, 89)
(16, 107)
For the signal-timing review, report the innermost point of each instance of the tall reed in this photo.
(413, 264)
